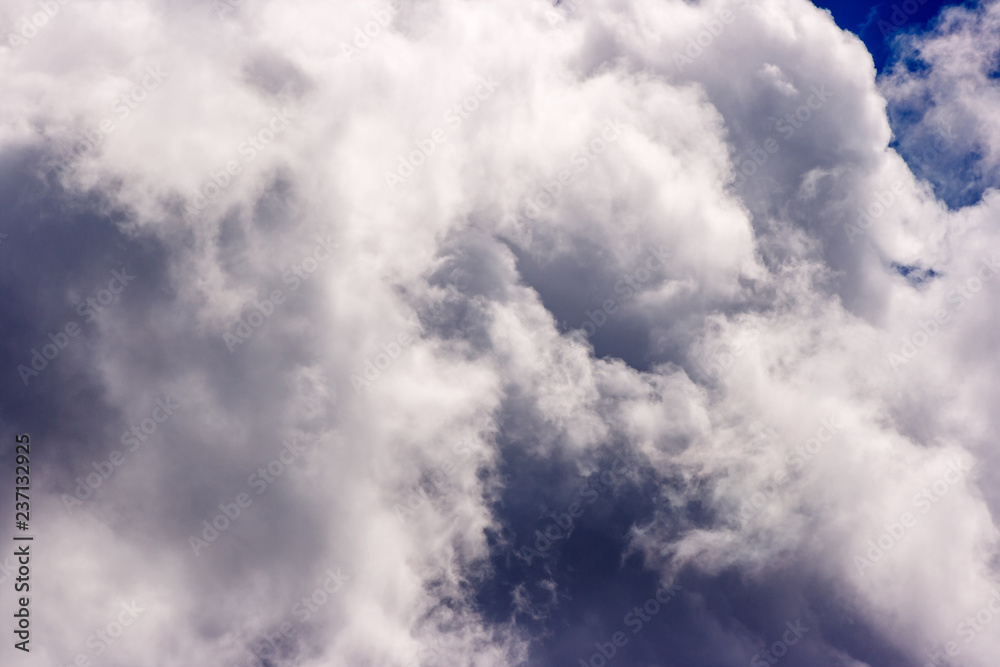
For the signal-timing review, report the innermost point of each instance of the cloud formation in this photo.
(414, 277)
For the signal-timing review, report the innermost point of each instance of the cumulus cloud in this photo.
(684, 292)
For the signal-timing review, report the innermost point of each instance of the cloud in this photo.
(792, 402)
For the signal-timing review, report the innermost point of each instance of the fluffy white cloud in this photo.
(727, 218)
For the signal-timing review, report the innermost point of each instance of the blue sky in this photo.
(877, 23)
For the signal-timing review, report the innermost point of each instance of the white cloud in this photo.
(767, 312)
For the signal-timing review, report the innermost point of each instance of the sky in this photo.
(879, 23)
(620, 333)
